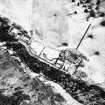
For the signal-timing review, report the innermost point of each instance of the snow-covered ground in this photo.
(52, 26)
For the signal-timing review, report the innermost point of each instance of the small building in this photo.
(70, 59)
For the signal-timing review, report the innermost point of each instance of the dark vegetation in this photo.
(4, 28)
(103, 23)
(15, 99)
